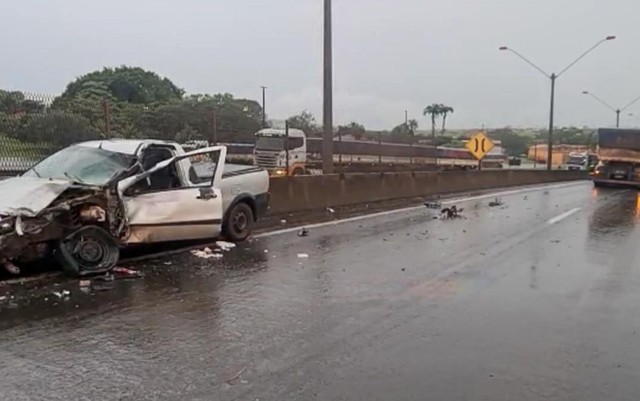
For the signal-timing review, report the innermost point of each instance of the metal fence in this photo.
(32, 126)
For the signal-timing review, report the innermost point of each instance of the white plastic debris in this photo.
(62, 294)
(303, 256)
(225, 246)
(283, 221)
(330, 210)
(204, 254)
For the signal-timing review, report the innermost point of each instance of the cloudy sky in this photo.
(389, 55)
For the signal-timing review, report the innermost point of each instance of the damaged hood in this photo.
(28, 196)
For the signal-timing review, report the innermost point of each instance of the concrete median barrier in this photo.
(296, 194)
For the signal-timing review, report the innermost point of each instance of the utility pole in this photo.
(551, 112)
(264, 106)
(406, 118)
(327, 120)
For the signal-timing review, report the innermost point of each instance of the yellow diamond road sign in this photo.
(479, 145)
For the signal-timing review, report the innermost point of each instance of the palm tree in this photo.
(412, 125)
(434, 111)
(444, 110)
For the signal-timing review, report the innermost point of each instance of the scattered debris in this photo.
(105, 278)
(555, 241)
(283, 222)
(496, 202)
(546, 192)
(433, 205)
(225, 246)
(62, 294)
(330, 210)
(84, 283)
(303, 232)
(526, 197)
(206, 253)
(127, 273)
(167, 263)
(451, 212)
(3, 298)
(303, 256)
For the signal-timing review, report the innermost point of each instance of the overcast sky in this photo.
(389, 55)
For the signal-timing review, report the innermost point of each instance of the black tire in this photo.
(298, 171)
(239, 222)
(89, 250)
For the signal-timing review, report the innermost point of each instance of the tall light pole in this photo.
(264, 106)
(553, 77)
(327, 119)
(617, 111)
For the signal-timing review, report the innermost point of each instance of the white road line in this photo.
(412, 208)
(564, 215)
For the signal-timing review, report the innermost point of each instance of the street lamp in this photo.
(617, 111)
(327, 108)
(553, 77)
(264, 106)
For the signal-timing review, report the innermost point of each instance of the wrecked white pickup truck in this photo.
(84, 203)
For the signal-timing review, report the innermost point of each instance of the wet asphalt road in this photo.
(535, 300)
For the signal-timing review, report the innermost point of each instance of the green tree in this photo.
(412, 126)
(57, 128)
(304, 121)
(357, 131)
(444, 111)
(512, 143)
(434, 111)
(401, 134)
(123, 84)
(17, 103)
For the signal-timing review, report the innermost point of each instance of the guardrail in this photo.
(296, 194)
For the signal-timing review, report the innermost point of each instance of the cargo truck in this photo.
(618, 158)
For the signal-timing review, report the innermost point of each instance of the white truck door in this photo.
(178, 199)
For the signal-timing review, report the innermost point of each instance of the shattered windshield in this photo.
(82, 164)
(270, 143)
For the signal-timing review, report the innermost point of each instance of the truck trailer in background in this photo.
(618, 157)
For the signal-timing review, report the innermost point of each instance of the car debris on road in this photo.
(303, 232)
(433, 205)
(496, 202)
(206, 253)
(451, 212)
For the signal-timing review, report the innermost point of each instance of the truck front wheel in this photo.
(239, 222)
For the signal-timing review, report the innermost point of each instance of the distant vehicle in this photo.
(577, 161)
(619, 157)
(280, 152)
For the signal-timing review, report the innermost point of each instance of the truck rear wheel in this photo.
(297, 171)
(239, 222)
